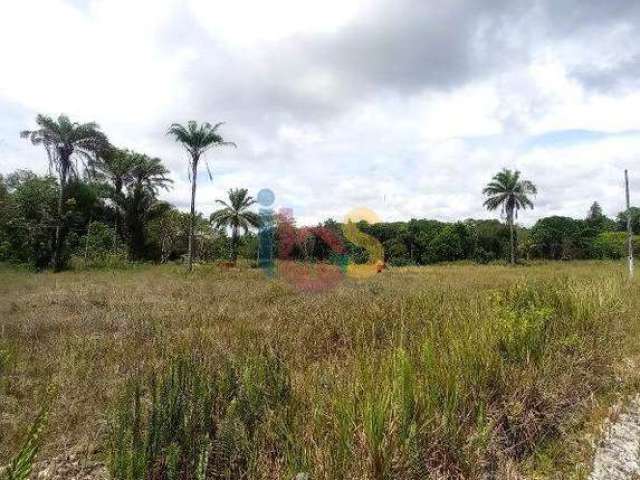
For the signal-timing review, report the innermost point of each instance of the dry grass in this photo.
(455, 369)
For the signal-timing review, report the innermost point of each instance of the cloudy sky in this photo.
(404, 106)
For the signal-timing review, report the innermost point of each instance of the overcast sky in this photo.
(407, 107)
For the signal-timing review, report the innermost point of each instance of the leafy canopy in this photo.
(63, 139)
(509, 192)
(236, 213)
(198, 138)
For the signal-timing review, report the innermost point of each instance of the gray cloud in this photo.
(355, 99)
(400, 47)
(622, 76)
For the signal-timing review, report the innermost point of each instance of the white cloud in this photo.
(247, 22)
(329, 102)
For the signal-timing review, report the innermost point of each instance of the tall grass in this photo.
(19, 467)
(198, 421)
(448, 372)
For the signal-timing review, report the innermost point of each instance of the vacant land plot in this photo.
(454, 370)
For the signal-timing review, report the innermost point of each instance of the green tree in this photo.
(140, 204)
(613, 245)
(28, 216)
(491, 239)
(116, 166)
(196, 139)
(236, 215)
(168, 233)
(621, 220)
(5, 217)
(65, 141)
(453, 242)
(597, 220)
(561, 238)
(510, 193)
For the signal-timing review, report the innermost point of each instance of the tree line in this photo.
(99, 205)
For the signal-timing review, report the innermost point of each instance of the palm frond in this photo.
(507, 191)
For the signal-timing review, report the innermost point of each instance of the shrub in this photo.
(613, 245)
(99, 248)
(401, 262)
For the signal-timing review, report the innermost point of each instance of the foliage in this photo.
(621, 220)
(560, 238)
(140, 203)
(100, 248)
(597, 221)
(452, 242)
(613, 245)
(65, 141)
(236, 215)
(44, 221)
(27, 219)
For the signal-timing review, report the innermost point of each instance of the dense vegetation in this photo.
(115, 216)
(458, 370)
(102, 209)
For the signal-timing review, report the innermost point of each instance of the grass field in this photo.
(453, 370)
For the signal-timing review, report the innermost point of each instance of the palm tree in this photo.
(116, 165)
(236, 214)
(146, 177)
(507, 191)
(65, 141)
(196, 139)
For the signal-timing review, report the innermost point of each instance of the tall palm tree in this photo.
(510, 193)
(65, 142)
(236, 214)
(146, 177)
(196, 139)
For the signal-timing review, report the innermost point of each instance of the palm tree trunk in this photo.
(192, 219)
(57, 261)
(117, 227)
(163, 249)
(512, 238)
(115, 230)
(234, 245)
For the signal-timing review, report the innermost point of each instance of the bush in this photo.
(400, 262)
(99, 248)
(613, 245)
(483, 256)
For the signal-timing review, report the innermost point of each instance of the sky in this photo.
(405, 107)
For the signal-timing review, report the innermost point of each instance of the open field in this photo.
(455, 369)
